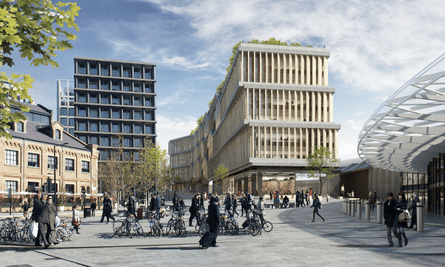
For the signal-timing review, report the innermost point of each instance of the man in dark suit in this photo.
(38, 208)
(175, 202)
(414, 208)
(389, 214)
(194, 210)
(44, 220)
(213, 219)
(131, 209)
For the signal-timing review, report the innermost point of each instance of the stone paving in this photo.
(340, 241)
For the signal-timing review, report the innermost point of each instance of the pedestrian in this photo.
(152, 203)
(316, 205)
(158, 206)
(175, 202)
(308, 198)
(213, 219)
(76, 219)
(243, 205)
(234, 205)
(25, 209)
(286, 201)
(414, 208)
(52, 211)
(93, 208)
(389, 215)
(194, 207)
(400, 207)
(373, 200)
(201, 202)
(43, 219)
(297, 200)
(228, 202)
(107, 209)
(260, 208)
(181, 204)
(131, 209)
(36, 214)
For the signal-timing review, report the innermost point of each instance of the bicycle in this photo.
(155, 225)
(177, 224)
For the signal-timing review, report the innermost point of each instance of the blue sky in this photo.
(376, 46)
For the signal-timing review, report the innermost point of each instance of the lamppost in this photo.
(55, 167)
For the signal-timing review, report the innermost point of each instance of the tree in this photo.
(321, 162)
(37, 29)
(220, 174)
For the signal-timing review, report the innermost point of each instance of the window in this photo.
(116, 100)
(20, 126)
(63, 112)
(82, 126)
(148, 102)
(105, 127)
(11, 185)
(116, 114)
(104, 155)
(104, 113)
(137, 87)
(82, 84)
(127, 128)
(126, 114)
(127, 72)
(115, 142)
(104, 99)
(82, 112)
(64, 121)
(137, 115)
(33, 187)
(137, 101)
(147, 74)
(72, 123)
(115, 86)
(93, 69)
(69, 188)
(52, 162)
(94, 140)
(93, 85)
(105, 141)
(148, 88)
(104, 85)
(82, 98)
(137, 74)
(83, 138)
(147, 116)
(137, 142)
(69, 164)
(93, 98)
(137, 129)
(57, 134)
(126, 87)
(127, 142)
(94, 127)
(33, 160)
(116, 128)
(148, 129)
(82, 69)
(85, 166)
(94, 113)
(127, 100)
(72, 112)
(126, 155)
(104, 70)
(71, 131)
(136, 156)
(115, 71)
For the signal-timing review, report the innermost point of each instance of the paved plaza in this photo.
(340, 241)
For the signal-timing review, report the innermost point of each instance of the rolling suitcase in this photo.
(207, 239)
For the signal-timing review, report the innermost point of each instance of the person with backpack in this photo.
(316, 205)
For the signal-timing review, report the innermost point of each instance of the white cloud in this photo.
(169, 128)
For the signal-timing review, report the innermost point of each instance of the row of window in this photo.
(115, 85)
(105, 155)
(34, 187)
(64, 112)
(113, 141)
(116, 71)
(113, 113)
(115, 127)
(11, 158)
(42, 119)
(126, 100)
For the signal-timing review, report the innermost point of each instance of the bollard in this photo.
(349, 207)
(368, 210)
(344, 206)
(353, 207)
(420, 217)
(359, 209)
(379, 211)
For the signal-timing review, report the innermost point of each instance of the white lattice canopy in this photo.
(408, 130)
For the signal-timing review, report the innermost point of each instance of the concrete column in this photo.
(246, 184)
(254, 188)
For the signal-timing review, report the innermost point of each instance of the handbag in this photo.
(75, 223)
(404, 216)
(34, 229)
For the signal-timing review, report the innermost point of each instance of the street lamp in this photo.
(55, 165)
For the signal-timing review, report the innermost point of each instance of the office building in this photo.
(65, 105)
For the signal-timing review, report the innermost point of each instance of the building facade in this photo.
(65, 105)
(274, 107)
(114, 98)
(39, 150)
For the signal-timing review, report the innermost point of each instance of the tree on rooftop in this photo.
(37, 29)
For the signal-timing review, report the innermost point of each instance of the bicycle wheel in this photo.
(156, 231)
(203, 229)
(180, 228)
(138, 229)
(232, 228)
(222, 227)
(267, 226)
(169, 225)
(254, 228)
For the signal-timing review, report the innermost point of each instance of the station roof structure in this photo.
(408, 130)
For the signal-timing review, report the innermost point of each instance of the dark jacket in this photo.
(52, 211)
(399, 207)
(234, 204)
(316, 204)
(195, 205)
(389, 212)
(414, 205)
(153, 204)
(201, 201)
(228, 202)
(213, 215)
(44, 216)
(131, 209)
(25, 207)
(93, 205)
(37, 210)
(159, 202)
(175, 202)
(107, 205)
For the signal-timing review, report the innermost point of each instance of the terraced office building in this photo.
(274, 107)
(111, 98)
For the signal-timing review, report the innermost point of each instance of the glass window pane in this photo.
(116, 100)
(104, 85)
(82, 98)
(105, 141)
(82, 126)
(82, 112)
(94, 113)
(127, 128)
(104, 99)
(126, 114)
(93, 85)
(137, 115)
(116, 128)
(105, 127)
(64, 121)
(116, 71)
(63, 112)
(126, 87)
(103, 70)
(72, 123)
(94, 127)
(137, 129)
(116, 114)
(104, 113)
(72, 112)
(93, 69)
(94, 140)
(82, 68)
(137, 74)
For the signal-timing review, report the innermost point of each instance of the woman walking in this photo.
(399, 207)
(76, 219)
(316, 205)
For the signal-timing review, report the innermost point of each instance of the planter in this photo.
(60, 208)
